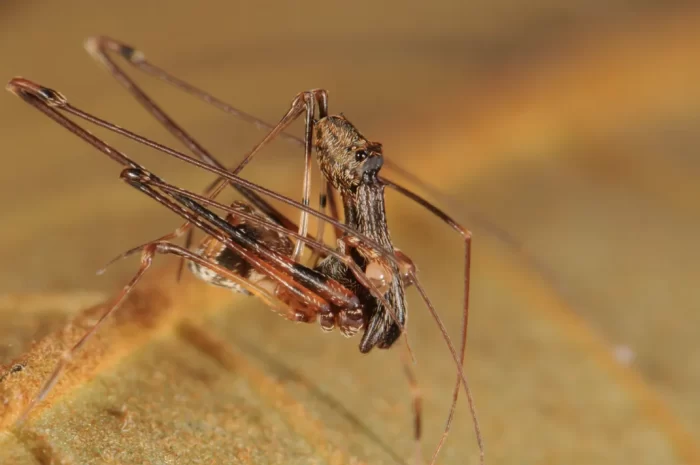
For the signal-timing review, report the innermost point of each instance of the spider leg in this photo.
(411, 275)
(98, 47)
(148, 252)
(49, 102)
(190, 200)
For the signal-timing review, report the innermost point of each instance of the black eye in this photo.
(360, 155)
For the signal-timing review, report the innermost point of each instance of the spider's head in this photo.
(346, 158)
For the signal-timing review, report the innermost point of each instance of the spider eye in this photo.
(360, 155)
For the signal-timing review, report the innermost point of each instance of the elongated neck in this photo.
(364, 211)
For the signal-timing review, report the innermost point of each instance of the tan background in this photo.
(564, 134)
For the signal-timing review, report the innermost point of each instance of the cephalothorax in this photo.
(358, 285)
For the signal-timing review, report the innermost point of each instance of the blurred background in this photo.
(563, 134)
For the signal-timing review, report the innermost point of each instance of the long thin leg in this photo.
(320, 96)
(307, 288)
(467, 237)
(147, 253)
(417, 395)
(321, 226)
(134, 176)
(50, 102)
(326, 198)
(304, 101)
(460, 370)
(46, 100)
(67, 356)
(98, 47)
(144, 182)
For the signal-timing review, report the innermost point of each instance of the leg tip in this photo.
(95, 46)
(24, 87)
(92, 44)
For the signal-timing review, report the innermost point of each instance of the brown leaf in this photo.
(567, 137)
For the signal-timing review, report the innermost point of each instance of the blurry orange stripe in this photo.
(602, 81)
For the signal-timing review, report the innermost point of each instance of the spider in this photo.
(358, 286)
